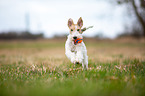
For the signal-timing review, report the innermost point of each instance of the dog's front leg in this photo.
(79, 57)
(71, 56)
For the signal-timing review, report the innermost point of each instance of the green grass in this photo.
(111, 78)
(108, 80)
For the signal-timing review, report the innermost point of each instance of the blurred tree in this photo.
(138, 7)
(20, 35)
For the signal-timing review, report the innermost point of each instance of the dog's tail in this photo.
(84, 29)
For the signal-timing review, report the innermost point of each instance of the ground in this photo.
(40, 67)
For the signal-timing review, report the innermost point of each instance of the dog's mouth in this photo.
(78, 40)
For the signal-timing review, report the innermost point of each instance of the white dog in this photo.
(75, 48)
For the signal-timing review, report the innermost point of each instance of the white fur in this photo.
(78, 52)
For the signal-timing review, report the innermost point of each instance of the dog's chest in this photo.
(73, 49)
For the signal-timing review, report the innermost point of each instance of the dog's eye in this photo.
(78, 29)
(71, 29)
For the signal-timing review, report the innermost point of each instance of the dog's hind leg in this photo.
(83, 65)
(85, 61)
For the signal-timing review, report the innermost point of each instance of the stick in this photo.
(84, 29)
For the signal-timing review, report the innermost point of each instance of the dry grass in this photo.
(52, 51)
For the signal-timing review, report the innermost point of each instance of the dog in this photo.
(75, 48)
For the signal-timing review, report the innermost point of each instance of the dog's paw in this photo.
(79, 60)
(73, 60)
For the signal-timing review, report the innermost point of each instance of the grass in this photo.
(41, 68)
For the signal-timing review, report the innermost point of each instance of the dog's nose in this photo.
(75, 37)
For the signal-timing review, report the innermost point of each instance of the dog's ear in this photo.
(80, 22)
(70, 22)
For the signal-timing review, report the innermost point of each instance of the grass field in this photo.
(40, 67)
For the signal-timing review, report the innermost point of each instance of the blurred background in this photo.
(33, 19)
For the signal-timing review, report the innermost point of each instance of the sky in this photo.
(51, 16)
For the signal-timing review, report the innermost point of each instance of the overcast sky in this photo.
(51, 16)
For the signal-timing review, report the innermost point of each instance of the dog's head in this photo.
(75, 29)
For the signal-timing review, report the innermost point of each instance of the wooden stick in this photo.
(84, 29)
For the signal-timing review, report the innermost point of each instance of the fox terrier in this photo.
(75, 48)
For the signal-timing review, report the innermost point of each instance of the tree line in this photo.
(20, 35)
